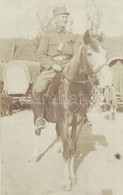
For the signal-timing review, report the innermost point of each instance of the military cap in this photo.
(59, 10)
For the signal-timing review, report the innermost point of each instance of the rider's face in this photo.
(61, 20)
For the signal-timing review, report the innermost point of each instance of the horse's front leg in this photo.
(37, 145)
(113, 114)
(67, 186)
(72, 173)
(67, 180)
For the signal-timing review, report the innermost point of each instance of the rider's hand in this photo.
(57, 67)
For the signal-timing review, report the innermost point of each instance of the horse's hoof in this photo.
(58, 148)
(90, 123)
(67, 187)
(37, 159)
(37, 132)
(74, 180)
(113, 116)
(107, 117)
(33, 160)
(36, 156)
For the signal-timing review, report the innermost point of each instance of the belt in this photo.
(62, 57)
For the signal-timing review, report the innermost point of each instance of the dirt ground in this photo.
(98, 170)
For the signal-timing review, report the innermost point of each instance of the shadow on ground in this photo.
(47, 149)
(86, 143)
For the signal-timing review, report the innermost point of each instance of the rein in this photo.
(99, 68)
(74, 112)
(84, 81)
(75, 82)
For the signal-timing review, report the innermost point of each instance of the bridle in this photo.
(83, 81)
(90, 78)
(99, 68)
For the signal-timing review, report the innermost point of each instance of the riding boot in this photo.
(38, 111)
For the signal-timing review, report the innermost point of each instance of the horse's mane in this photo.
(79, 62)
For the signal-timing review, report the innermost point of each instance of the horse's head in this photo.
(89, 57)
(95, 53)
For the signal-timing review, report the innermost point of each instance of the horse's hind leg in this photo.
(113, 113)
(72, 173)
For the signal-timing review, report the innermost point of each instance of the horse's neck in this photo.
(73, 69)
(74, 74)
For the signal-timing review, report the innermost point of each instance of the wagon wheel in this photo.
(2, 108)
(7, 104)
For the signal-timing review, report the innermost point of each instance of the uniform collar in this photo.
(60, 29)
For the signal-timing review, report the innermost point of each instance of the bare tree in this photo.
(94, 16)
(45, 21)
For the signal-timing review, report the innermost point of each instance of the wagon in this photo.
(18, 77)
(116, 67)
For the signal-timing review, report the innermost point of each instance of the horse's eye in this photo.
(89, 54)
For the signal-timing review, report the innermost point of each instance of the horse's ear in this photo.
(87, 37)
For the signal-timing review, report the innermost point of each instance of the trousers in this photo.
(38, 92)
(43, 80)
(40, 87)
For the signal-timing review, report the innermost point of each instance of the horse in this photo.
(69, 106)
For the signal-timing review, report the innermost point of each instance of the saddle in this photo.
(54, 86)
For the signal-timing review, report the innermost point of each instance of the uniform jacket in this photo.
(48, 47)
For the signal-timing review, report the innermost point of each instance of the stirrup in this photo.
(85, 120)
(40, 123)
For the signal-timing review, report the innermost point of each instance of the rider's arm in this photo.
(42, 54)
(57, 67)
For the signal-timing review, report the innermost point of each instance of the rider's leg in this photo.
(38, 111)
(38, 97)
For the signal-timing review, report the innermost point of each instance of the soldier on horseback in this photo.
(55, 51)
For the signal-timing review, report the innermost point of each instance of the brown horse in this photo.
(69, 106)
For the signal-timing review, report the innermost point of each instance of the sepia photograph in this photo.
(61, 97)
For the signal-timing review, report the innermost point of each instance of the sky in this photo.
(18, 17)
